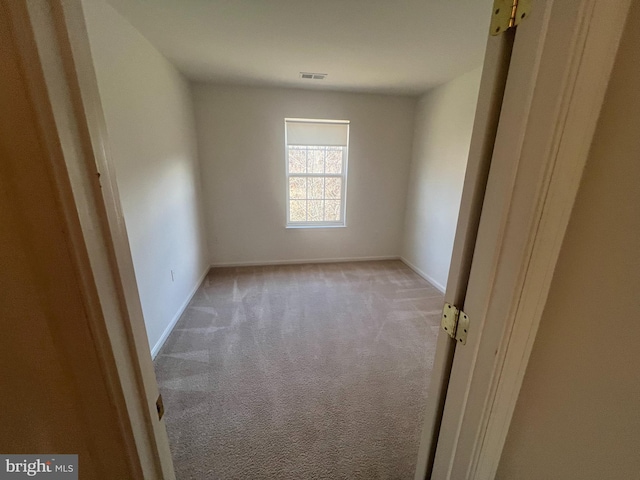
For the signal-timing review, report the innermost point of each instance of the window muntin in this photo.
(316, 172)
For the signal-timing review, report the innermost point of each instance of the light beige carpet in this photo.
(300, 372)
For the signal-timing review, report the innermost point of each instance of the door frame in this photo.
(54, 47)
(561, 62)
(485, 125)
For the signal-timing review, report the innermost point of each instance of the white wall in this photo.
(443, 125)
(241, 144)
(149, 115)
(578, 413)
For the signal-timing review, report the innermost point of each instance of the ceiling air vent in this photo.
(313, 76)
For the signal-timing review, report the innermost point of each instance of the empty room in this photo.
(296, 239)
(290, 175)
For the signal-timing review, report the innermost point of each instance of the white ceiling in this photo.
(386, 46)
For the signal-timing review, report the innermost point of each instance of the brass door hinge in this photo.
(455, 323)
(508, 14)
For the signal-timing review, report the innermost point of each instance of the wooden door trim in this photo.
(491, 91)
(64, 91)
(562, 60)
(600, 35)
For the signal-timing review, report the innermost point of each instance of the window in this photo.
(316, 163)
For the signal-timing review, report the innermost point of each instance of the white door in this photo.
(561, 60)
(494, 75)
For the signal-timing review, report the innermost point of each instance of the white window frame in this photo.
(343, 176)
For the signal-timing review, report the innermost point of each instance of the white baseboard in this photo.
(167, 331)
(428, 278)
(303, 261)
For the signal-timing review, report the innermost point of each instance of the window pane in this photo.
(298, 210)
(334, 160)
(315, 187)
(333, 188)
(315, 160)
(332, 211)
(297, 159)
(315, 210)
(297, 188)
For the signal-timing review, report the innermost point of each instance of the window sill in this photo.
(298, 227)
